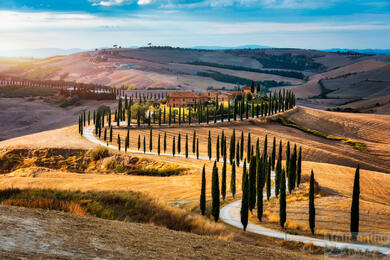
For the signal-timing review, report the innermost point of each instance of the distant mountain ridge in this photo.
(39, 52)
(364, 51)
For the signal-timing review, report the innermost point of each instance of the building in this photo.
(185, 99)
(222, 96)
(212, 94)
(247, 90)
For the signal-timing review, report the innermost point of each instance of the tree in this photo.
(119, 142)
(179, 144)
(215, 193)
(203, 192)
(223, 185)
(158, 145)
(110, 134)
(197, 148)
(150, 140)
(144, 145)
(217, 149)
(105, 134)
(186, 146)
(278, 170)
(282, 199)
(312, 210)
(242, 146)
(273, 156)
(173, 146)
(248, 148)
(299, 167)
(238, 154)
(269, 178)
(209, 146)
(194, 142)
(260, 177)
(245, 199)
(139, 142)
(233, 180)
(232, 146)
(355, 205)
(165, 142)
(252, 183)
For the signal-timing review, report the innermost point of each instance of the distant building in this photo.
(184, 99)
(247, 90)
(222, 96)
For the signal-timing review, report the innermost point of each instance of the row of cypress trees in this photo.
(244, 109)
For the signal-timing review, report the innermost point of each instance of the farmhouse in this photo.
(183, 99)
(222, 96)
(247, 89)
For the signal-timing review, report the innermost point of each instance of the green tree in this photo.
(233, 180)
(242, 146)
(186, 146)
(179, 143)
(197, 148)
(203, 192)
(194, 142)
(215, 193)
(223, 184)
(119, 142)
(282, 199)
(312, 209)
(173, 146)
(299, 167)
(150, 140)
(260, 177)
(158, 145)
(209, 146)
(269, 177)
(144, 145)
(245, 198)
(278, 170)
(355, 205)
(248, 148)
(238, 154)
(217, 149)
(139, 142)
(273, 156)
(252, 183)
(165, 142)
(232, 146)
(105, 134)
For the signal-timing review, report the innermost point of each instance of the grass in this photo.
(99, 152)
(287, 122)
(22, 91)
(123, 206)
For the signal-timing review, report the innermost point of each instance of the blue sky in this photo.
(280, 23)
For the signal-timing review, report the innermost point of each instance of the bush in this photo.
(73, 101)
(99, 152)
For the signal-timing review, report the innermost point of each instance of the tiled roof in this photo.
(184, 95)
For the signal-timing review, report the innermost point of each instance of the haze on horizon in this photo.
(88, 24)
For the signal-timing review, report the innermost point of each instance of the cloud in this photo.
(144, 2)
(109, 3)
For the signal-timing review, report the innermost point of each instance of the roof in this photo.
(235, 92)
(184, 95)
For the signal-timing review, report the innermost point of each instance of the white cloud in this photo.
(144, 2)
(109, 3)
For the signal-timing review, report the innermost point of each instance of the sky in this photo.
(89, 24)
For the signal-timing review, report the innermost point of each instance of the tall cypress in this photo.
(173, 146)
(282, 199)
(139, 142)
(252, 183)
(269, 178)
(299, 167)
(278, 170)
(197, 148)
(242, 146)
(312, 209)
(119, 142)
(144, 144)
(248, 148)
(209, 146)
(245, 199)
(273, 156)
(158, 144)
(179, 143)
(217, 149)
(215, 193)
(203, 192)
(223, 180)
(105, 134)
(165, 142)
(150, 140)
(260, 177)
(355, 205)
(194, 142)
(186, 146)
(233, 180)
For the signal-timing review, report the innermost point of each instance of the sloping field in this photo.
(32, 233)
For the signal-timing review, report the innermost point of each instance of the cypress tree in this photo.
(173, 146)
(203, 192)
(265, 152)
(165, 142)
(245, 199)
(179, 144)
(260, 177)
(215, 193)
(299, 167)
(139, 142)
(197, 148)
(110, 134)
(144, 145)
(233, 180)
(269, 178)
(248, 148)
(238, 154)
(150, 140)
(223, 185)
(217, 149)
(119, 142)
(186, 148)
(242, 146)
(355, 205)
(312, 210)
(158, 145)
(252, 183)
(273, 156)
(232, 149)
(282, 199)
(278, 170)
(194, 142)
(209, 146)
(105, 134)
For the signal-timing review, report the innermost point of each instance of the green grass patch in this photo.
(287, 122)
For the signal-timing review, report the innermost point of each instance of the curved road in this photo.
(230, 214)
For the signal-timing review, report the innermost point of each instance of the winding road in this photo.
(230, 214)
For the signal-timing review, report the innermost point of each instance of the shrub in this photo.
(73, 101)
(99, 152)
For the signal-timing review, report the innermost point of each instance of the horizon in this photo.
(90, 24)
